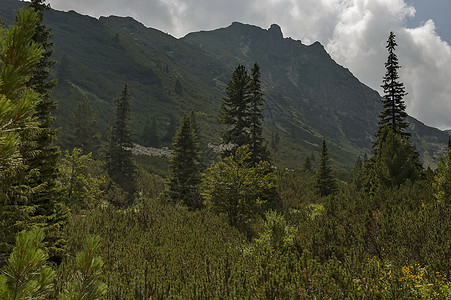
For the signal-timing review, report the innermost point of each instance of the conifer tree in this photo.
(258, 146)
(26, 275)
(185, 179)
(120, 165)
(394, 114)
(394, 159)
(19, 55)
(234, 110)
(325, 182)
(38, 149)
(82, 129)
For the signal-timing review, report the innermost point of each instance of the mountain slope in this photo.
(308, 95)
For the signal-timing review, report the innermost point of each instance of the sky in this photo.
(354, 32)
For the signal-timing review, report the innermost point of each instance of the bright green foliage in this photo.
(120, 165)
(395, 160)
(26, 275)
(234, 110)
(83, 181)
(86, 283)
(276, 234)
(18, 58)
(185, 178)
(394, 114)
(82, 130)
(325, 182)
(239, 189)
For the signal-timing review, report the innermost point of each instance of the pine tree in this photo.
(258, 145)
(394, 114)
(234, 110)
(87, 284)
(120, 165)
(82, 130)
(26, 274)
(38, 148)
(19, 55)
(325, 183)
(185, 179)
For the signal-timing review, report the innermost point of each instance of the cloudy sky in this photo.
(354, 32)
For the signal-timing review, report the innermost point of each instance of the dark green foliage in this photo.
(120, 165)
(82, 129)
(308, 164)
(30, 190)
(258, 145)
(394, 113)
(149, 135)
(178, 89)
(394, 160)
(234, 110)
(325, 182)
(171, 129)
(242, 113)
(185, 178)
(38, 149)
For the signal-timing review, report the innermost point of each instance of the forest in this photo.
(84, 218)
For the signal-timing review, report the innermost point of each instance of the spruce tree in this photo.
(234, 110)
(120, 165)
(258, 146)
(185, 178)
(325, 182)
(82, 129)
(394, 159)
(394, 114)
(40, 153)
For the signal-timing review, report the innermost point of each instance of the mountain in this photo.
(308, 95)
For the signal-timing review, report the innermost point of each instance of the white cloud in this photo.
(354, 32)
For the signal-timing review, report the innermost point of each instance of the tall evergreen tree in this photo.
(38, 150)
(185, 179)
(325, 182)
(394, 114)
(19, 55)
(82, 130)
(234, 110)
(258, 145)
(394, 159)
(120, 165)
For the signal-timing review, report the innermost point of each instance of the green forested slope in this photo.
(308, 95)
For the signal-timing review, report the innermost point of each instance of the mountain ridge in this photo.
(309, 96)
